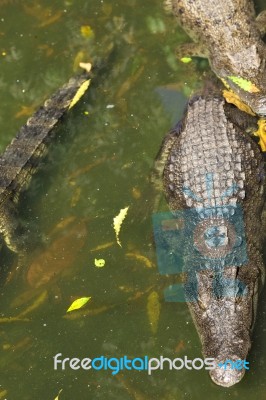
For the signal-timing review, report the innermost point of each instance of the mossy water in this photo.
(99, 164)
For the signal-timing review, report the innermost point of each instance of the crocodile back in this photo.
(21, 157)
(213, 162)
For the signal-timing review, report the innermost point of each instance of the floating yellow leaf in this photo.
(233, 98)
(99, 263)
(57, 397)
(244, 84)
(186, 60)
(78, 303)
(80, 92)
(136, 193)
(86, 31)
(153, 310)
(86, 66)
(261, 133)
(118, 222)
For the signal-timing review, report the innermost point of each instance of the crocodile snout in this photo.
(227, 375)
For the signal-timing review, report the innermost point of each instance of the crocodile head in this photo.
(244, 72)
(224, 315)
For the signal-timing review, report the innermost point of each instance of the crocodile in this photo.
(211, 168)
(23, 155)
(230, 36)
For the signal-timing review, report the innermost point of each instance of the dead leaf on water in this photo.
(36, 304)
(45, 15)
(87, 168)
(144, 260)
(107, 8)
(3, 394)
(76, 196)
(24, 298)
(59, 257)
(153, 310)
(180, 346)
(118, 220)
(7, 320)
(62, 225)
(23, 343)
(55, 16)
(25, 111)
(103, 246)
(48, 50)
(136, 193)
(128, 83)
(89, 312)
(86, 31)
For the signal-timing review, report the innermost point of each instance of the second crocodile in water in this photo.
(22, 157)
(215, 172)
(229, 35)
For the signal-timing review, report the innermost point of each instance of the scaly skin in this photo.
(22, 156)
(228, 33)
(213, 169)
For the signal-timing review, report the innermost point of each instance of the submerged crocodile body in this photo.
(22, 156)
(229, 35)
(215, 171)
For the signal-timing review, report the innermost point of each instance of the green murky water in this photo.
(99, 164)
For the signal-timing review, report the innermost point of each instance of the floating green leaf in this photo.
(186, 60)
(244, 84)
(78, 303)
(99, 263)
(80, 92)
